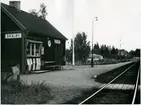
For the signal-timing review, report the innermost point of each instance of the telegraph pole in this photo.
(96, 19)
(73, 54)
(92, 62)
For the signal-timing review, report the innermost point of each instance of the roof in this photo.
(33, 23)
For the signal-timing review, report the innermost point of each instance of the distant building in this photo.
(123, 52)
(96, 57)
(136, 58)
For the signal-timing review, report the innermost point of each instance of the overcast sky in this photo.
(117, 19)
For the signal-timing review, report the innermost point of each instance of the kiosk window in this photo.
(34, 48)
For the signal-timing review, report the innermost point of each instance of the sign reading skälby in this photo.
(13, 36)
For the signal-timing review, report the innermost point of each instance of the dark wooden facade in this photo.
(30, 49)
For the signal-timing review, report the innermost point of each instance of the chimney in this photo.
(15, 4)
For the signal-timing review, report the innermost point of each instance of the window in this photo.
(34, 48)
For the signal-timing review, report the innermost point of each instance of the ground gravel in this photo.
(71, 81)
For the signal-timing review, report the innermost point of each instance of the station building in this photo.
(28, 40)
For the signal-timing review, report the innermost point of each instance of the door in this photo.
(58, 54)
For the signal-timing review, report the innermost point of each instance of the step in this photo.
(39, 71)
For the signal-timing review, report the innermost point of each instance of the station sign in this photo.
(13, 36)
(57, 41)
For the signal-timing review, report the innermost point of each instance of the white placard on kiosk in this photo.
(30, 64)
(39, 60)
(34, 63)
(37, 64)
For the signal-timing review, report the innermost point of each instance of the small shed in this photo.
(28, 40)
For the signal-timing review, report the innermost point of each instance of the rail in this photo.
(103, 86)
(136, 87)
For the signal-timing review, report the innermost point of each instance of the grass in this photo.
(108, 76)
(128, 78)
(15, 92)
(83, 96)
(112, 97)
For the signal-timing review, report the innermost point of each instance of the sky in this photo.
(119, 21)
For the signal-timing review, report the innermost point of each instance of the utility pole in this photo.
(92, 46)
(96, 19)
(73, 54)
(120, 48)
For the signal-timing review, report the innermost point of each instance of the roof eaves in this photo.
(13, 18)
(57, 30)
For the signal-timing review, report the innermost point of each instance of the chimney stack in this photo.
(16, 4)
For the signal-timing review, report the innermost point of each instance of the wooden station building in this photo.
(28, 40)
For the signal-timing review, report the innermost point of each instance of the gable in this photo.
(7, 24)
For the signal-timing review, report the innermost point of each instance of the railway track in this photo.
(108, 94)
(134, 100)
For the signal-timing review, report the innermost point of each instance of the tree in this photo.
(41, 13)
(34, 12)
(135, 53)
(96, 49)
(68, 55)
(105, 50)
(82, 47)
(113, 51)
